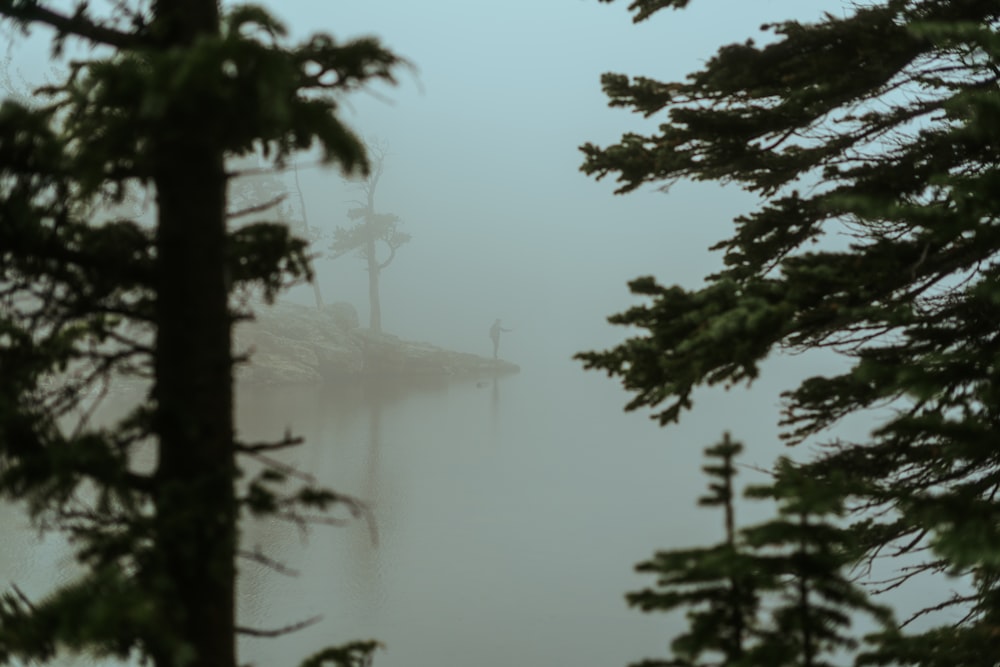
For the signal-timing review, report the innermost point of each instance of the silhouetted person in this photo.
(495, 335)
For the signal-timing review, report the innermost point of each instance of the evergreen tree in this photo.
(770, 595)
(882, 125)
(371, 231)
(718, 585)
(807, 556)
(172, 88)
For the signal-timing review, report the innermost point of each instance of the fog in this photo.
(483, 162)
(509, 515)
(483, 166)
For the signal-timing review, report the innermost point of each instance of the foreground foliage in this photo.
(777, 593)
(150, 503)
(879, 125)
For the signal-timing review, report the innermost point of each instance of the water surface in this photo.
(509, 513)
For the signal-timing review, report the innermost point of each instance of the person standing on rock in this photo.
(495, 336)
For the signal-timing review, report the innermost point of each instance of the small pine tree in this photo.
(805, 554)
(717, 584)
(769, 595)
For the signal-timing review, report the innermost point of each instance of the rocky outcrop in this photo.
(292, 344)
(343, 314)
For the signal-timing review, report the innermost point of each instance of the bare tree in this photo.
(370, 231)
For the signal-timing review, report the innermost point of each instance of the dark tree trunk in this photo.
(195, 526)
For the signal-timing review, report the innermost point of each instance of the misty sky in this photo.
(483, 166)
(484, 163)
(484, 170)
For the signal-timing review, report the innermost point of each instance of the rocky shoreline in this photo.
(291, 344)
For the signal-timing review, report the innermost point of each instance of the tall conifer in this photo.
(774, 594)
(879, 125)
(152, 503)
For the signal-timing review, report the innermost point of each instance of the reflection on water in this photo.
(499, 522)
(342, 570)
(506, 529)
(495, 403)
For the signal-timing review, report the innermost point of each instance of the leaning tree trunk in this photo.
(195, 525)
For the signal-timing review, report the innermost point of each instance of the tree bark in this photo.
(195, 520)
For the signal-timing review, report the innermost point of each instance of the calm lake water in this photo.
(507, 517)
(509, 514)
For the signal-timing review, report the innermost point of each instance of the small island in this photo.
(292, 344)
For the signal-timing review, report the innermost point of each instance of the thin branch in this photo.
(388, 260)
(272, 169)
(304, 521)
(954, 600)
(257, 447)
(257, 557)
(357, 508)
(24, 598)
(283, 468)
(257, 208)
(288, 629)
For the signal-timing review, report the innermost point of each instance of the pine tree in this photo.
(771, 595)
(880, 125)
(718, 585)
(173, 87)
(808, 558)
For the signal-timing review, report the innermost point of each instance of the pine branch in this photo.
(257, 208)
(258, 447)
(283, 468)
(955, 599)
(288, 629)
(77, 25)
